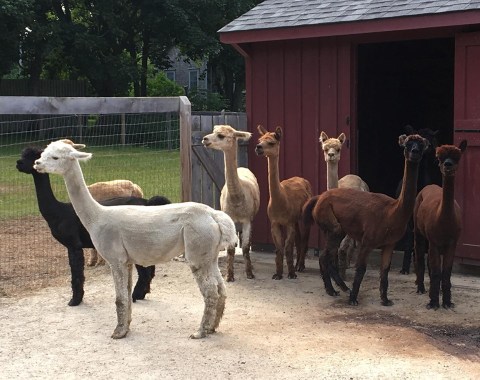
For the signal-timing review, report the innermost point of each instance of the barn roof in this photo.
(293, 13)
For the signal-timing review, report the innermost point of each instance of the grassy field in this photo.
(157, 172)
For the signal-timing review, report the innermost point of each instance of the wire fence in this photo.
(141, 147)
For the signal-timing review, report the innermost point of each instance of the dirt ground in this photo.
(271, 329)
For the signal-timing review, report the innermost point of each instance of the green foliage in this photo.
(159, 85)
(207, 101)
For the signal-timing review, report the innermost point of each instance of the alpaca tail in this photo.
(227, 229)
(136, 190)
(158, 200)
(308, 210)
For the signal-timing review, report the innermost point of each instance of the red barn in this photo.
(366, 68)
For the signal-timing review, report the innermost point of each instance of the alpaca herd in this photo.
(350, 217)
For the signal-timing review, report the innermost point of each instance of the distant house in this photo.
(186, 73)
(366, 68)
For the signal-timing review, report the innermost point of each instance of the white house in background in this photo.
(186, 73)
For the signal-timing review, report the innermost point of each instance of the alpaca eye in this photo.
(55, 158)
(221, 137)
(271, 143)
(338, 150)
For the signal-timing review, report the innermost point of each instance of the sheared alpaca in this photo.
(332, 148)
(372, 219)
(438, 223)
(284, 206)
(428, 174)
(67, 229)
(240, 197)
(124, 235)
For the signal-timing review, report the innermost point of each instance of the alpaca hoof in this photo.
(448, 305)
(433, 305)
(300, 267)
(292, 276)
(250, 276)
(404, 271)
(277, 276)
(353, 302)
(120, 332)
(332, 292)
(74, 302)
(198, 335)
(230, 279)
(387, 303)
(138, 295)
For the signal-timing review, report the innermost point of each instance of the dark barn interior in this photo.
(400, 83)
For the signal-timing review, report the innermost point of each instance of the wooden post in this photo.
(185, 111)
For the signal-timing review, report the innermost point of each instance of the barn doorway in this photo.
(400, 83)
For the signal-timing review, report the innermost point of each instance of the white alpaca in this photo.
(102, 191)
(240, 197)
(331, 149)
(147, 235)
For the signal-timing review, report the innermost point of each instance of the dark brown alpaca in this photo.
(284, 206)
(437, 220)
(374, 220)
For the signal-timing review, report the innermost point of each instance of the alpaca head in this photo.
(414, 147)
(331, 146)
(58, 157)
(448, 157)
(269, 142)
(427, 133)
(27, 159)
(224, 137)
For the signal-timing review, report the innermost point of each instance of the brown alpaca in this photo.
(332, 148)
(374, 220)
(284, 206)
(437, 221)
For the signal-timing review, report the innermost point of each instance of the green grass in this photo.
(156, 172)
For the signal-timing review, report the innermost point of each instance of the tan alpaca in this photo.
(332, 148)
(284, 206)
(437, 219)
(240, 197)
(374, 220)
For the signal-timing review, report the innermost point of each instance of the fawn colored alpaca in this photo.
(147, 235)
(240, 197)
(372, 219)
(284, 206)
(437, 221)
(331, 150)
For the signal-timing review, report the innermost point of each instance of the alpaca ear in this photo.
(323, 137)
(242, 135)
(427, 144)
(401, 140)
(463, 145)
(342, 137)
(278, 133)
(409, 129)
(261, 130)
(81, 156)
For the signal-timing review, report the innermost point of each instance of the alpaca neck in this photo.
(448, 196)
(274, 187)
(87, 209)
(231, 174)
(46, 199)
(406, 199)
(332, 175)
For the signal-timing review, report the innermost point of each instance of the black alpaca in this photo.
(428, 174)
(67, 229)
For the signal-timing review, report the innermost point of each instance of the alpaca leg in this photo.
(302, 235)
(222, 293)
(384, 270)
(245, 241)
(420, 250)
(447, 265)
(408, 250)
(279, 244)
(92, 257)
(230, 262)
(76, 261)
(435, 269)
(347, 246)
(360, 269)
(142, 287)
(289, 242)
(328, 265)
(122, 277)
(208, 284)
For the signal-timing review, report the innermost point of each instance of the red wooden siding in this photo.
(297, 85)
(467, 126)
